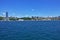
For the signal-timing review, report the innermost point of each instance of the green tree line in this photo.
(30, 18)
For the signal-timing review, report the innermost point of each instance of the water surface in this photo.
(29, 30)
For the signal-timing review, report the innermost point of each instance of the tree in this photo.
(1, 18)
(26, 18)
(12, 18)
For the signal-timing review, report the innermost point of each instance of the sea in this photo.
(29, 30)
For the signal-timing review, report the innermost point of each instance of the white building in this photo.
(20, 20)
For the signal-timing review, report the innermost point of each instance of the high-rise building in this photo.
(7, 18)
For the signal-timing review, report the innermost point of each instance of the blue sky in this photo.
(23, 8)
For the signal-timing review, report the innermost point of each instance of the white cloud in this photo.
(3, 13)
(26, 15)
(13, 13)
(33, 9)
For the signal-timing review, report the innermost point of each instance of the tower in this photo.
(7, 18)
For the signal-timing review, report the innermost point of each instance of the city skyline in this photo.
(21, 8)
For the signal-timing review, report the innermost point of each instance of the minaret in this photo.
(7, 18)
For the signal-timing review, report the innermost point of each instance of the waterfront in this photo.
(29, 30)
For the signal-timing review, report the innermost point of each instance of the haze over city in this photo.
(21, 8)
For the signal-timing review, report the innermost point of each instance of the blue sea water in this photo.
(29, 30)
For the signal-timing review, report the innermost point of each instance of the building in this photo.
(6, 18)
(20, 20)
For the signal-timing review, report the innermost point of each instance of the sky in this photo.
(21, 8)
